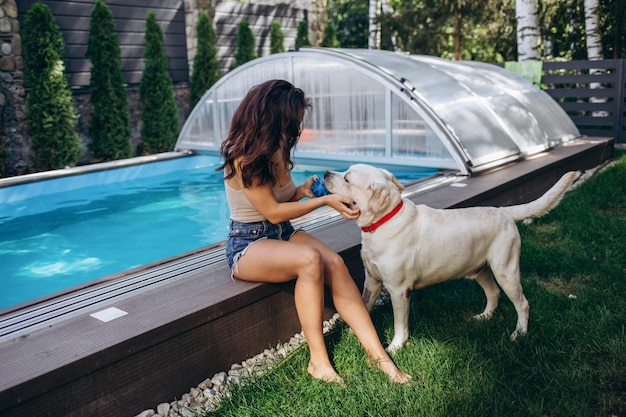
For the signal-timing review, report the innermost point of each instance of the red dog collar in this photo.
(383, 220)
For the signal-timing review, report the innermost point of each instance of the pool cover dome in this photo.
(394, 110)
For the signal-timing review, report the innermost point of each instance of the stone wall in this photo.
(14, 140)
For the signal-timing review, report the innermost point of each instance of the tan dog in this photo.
(407, 246)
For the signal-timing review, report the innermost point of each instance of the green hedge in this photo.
(110, 125)
(159, 128)
(50, 113)
(206, 67)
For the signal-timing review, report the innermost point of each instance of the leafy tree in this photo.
(156, 93)
(302, 34)
(352, 23)
(562, 29)
(277, 39)
(459, 29)
(50, 113)
(206, 68)
(245, 44)
(329, 39)
(613, 24)
(110, 128)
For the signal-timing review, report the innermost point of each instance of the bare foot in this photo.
(391, 370)
(325, 373)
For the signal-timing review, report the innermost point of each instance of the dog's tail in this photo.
(546, 202)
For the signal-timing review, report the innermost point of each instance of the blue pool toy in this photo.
(318, 188)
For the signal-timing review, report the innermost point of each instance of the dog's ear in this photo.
(393, 179)
(379, 199)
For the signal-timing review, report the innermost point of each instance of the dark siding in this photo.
(129, 17)
(228, 15)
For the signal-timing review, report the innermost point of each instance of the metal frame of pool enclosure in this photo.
(393, 109)
(183, 313)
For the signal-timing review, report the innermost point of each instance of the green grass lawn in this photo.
(571, 363)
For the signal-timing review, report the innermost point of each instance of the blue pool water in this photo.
(59, 233)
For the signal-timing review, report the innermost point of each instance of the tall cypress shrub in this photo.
(50, 116)
(277, 38)
(302, 34)
(206, 67)
(110, 125)
(329, 39)
(159, 115)
(245, 44)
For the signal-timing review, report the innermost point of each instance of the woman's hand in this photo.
(342, 205)
(306, 187)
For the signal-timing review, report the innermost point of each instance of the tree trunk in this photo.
(592, 29)
(374, 32)
(594, 47)
(528, 35)
(457, 36)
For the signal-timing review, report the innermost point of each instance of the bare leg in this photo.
(350, 306)
(278, 261)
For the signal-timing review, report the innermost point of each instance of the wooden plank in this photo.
(579, 79)
(79, 40)
(72, 23)
(588, 107)
(582, 92)
(576, 65)
(591, 121)
(602, 133)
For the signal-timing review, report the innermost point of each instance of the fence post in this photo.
(621, 98)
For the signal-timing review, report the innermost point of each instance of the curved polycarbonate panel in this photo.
(394, 109)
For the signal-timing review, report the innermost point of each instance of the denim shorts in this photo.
(241, 235)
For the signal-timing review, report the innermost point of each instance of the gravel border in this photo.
(206, 396)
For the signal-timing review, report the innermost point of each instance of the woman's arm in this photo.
(264, 201)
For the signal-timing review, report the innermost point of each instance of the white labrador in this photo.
(407, 246)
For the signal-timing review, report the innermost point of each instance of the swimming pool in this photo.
(64, 232)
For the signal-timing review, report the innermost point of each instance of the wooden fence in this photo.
(593, 93)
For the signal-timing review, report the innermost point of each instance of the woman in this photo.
(263, 245)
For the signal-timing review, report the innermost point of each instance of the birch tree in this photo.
(594, 46)
(592, 28)
(528, 34)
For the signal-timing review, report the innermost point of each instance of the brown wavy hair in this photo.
(267, 120)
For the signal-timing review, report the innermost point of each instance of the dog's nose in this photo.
(327, 174)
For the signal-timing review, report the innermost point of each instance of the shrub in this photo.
(206, 68)
(159, 115)
(110, 126)
(277, 38)
(302, 34)
(329, 40)
(50, 116)
(245, 44)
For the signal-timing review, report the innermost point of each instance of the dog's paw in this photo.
(517, 333)
(482, 316)
(394, 347)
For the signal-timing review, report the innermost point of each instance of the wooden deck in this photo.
(186, 319)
